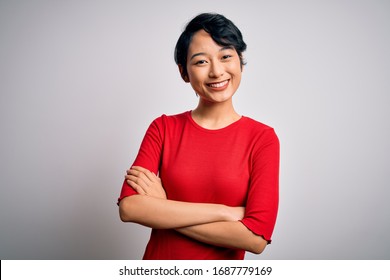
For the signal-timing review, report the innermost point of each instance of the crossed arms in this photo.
(214, 224)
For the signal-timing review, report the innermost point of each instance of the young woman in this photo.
(216, 192)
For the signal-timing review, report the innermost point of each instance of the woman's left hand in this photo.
(145, 182)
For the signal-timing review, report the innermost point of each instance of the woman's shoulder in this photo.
(169, 120)
(173, 117)
(256, 125)
(263, 134)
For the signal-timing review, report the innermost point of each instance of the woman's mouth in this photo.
(219, 85)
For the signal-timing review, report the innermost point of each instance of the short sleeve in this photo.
(263, 195)
(149, 154)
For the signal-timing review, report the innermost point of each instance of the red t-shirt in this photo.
(237, 166)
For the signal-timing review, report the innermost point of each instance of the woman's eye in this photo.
(200, 62)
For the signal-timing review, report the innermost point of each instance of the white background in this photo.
(80, 81)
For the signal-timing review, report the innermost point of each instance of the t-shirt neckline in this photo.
(226, 128)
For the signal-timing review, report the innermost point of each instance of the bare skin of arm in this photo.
(151, 207)
(167, 214)
(226, 234)
(214, 224)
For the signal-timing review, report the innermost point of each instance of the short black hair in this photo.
(222, 31)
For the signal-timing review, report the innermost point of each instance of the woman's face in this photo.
(214, 71)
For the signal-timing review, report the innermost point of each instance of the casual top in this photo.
(237, 165)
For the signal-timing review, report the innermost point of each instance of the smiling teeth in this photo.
(218, 85)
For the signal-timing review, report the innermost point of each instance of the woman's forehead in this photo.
(203, 42)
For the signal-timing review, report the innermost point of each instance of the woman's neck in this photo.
(215, 116)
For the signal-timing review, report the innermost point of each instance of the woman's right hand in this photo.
(145, 182)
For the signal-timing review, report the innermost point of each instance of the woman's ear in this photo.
(183, 75)
(242, 62)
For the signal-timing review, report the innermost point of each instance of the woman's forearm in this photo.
(165, 214)
(226, 234)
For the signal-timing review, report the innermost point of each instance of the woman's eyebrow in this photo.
(226, 48)
(197, 54)
(221, 49)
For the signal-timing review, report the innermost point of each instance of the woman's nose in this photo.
(216, 70)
